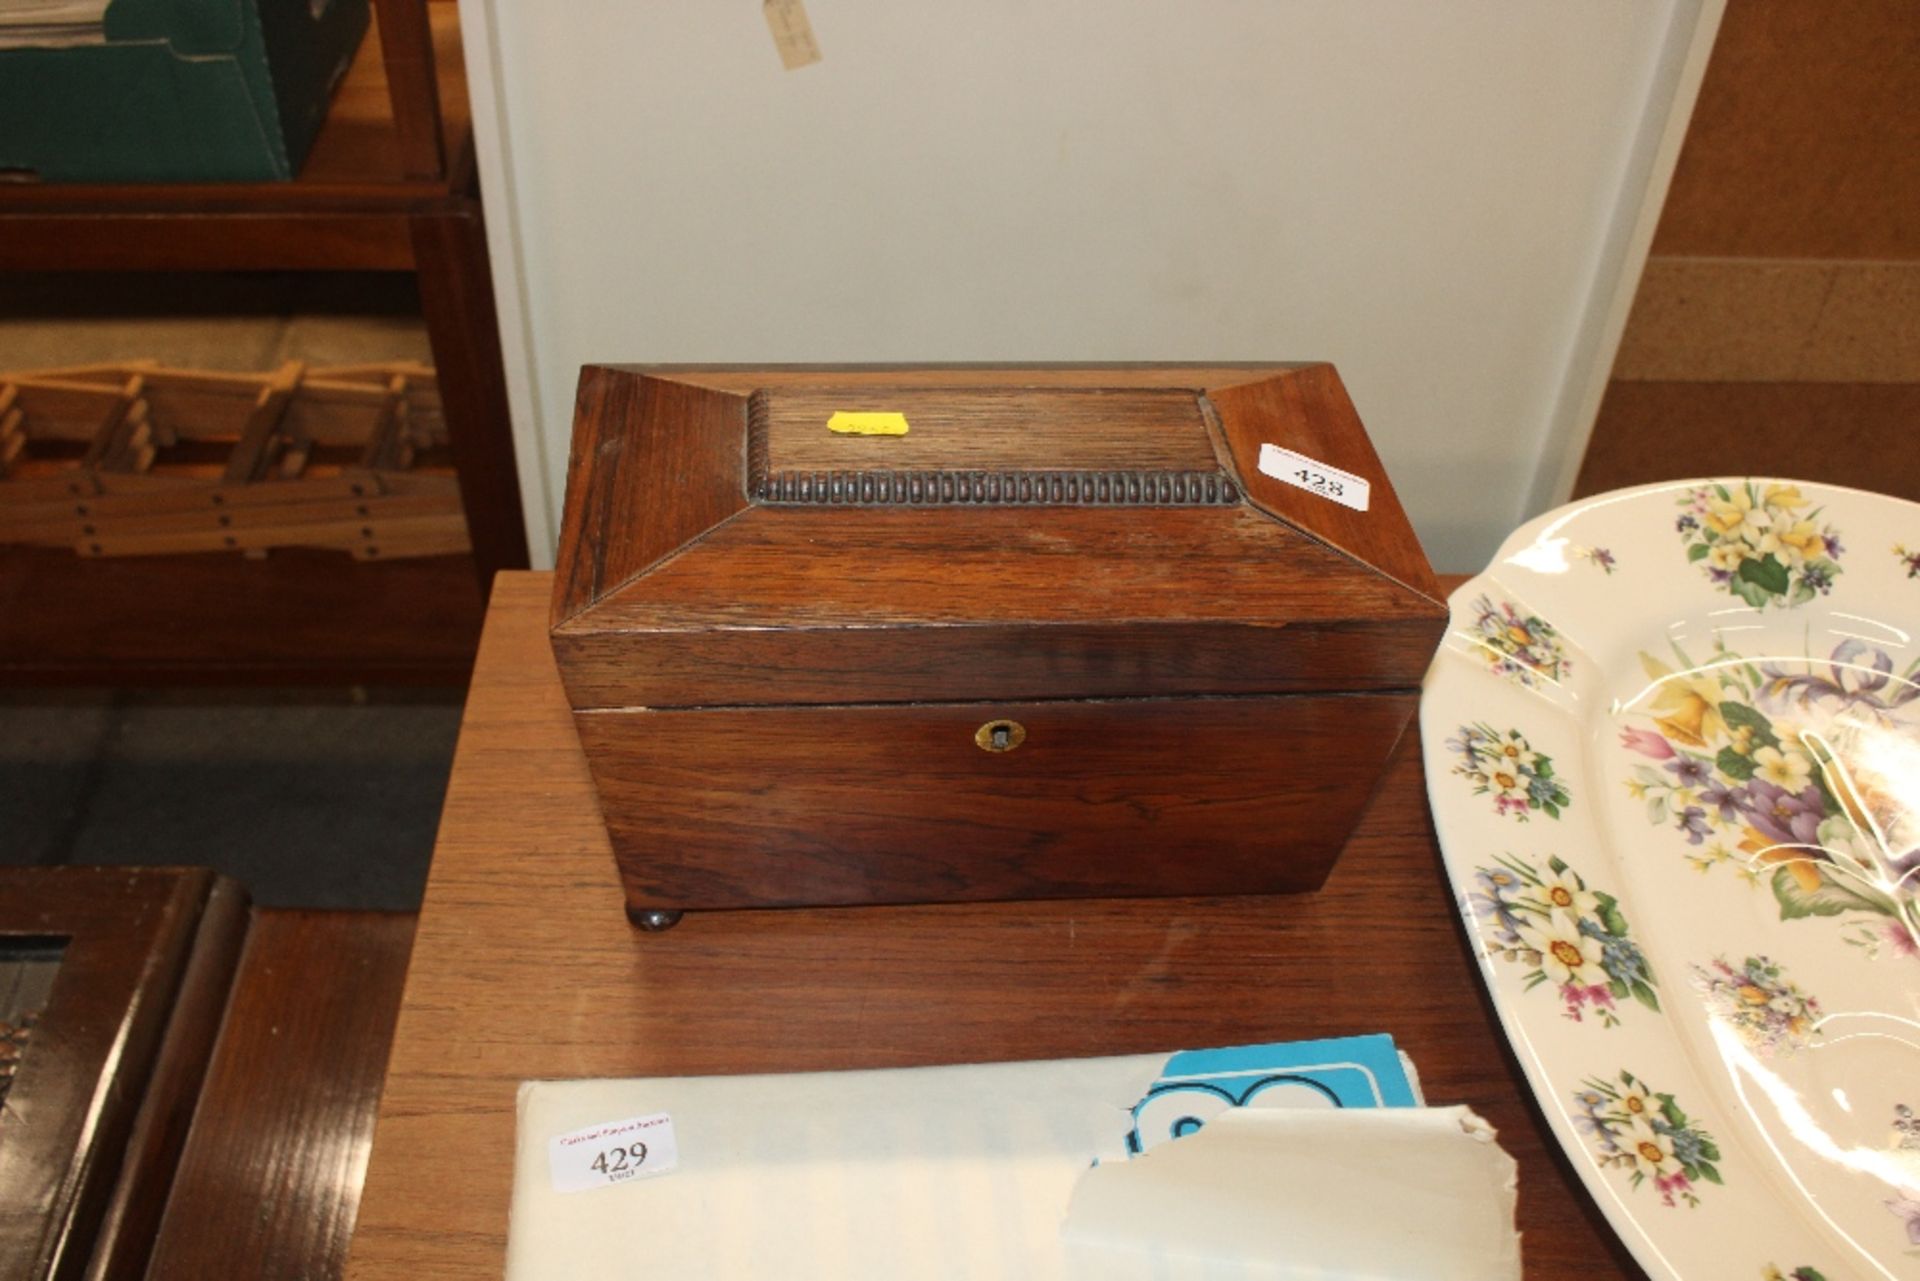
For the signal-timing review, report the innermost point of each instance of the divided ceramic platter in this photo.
(1672, 745)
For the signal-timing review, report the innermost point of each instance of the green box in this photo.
(182, 91)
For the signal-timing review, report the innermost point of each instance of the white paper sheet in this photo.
(1283, 1194)
(949, 1172)
(968, 1172)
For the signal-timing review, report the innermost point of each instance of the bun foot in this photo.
(653, 919)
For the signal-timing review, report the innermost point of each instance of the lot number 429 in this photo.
(614, 1162)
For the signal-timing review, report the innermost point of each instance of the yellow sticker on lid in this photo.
(863, 424)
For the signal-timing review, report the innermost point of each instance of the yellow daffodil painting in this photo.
(1690, 701)
(1646, 1135)
(1506, 767)
(1764, 543)
(1571, 937)
(1724, 752)
(1755, 998)
(1517, 644)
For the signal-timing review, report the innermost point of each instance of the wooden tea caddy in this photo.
(1062, 638)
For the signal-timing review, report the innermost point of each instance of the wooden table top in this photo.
(524, 966)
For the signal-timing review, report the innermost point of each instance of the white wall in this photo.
(1445, 199)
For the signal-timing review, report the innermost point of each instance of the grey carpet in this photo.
(310, 798)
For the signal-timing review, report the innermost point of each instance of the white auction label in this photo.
(612, 1153)
(1315, 477)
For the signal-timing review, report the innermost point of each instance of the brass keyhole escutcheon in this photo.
(1000, 736)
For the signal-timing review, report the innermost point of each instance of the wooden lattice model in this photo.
(136, 459)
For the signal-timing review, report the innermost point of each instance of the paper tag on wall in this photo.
(614, 1152)
(1315, 477)
(792, 33)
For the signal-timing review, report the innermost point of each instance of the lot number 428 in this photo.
(1315, 477)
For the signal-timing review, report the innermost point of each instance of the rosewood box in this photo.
(1079, 631)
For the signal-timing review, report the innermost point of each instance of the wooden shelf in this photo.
(388, 186)
(348, 209)
(294, 617)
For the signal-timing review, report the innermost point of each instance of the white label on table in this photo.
(615, 1152)
(1315, 477)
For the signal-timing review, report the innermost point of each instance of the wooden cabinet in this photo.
(195, 1092)
(388, 186)
(124, 974)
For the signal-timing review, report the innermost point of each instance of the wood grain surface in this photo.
(524, 966)
(292, 616)
(1011, 661)
(456, 299)
(655, 465)
(765, 807)
(992, 428)
(1307, 411)
(405, 32)
(128, 934)
(823, 605)
(1189, 375)
(124, 1243)
(268, 1185)
(134, 240)
(672, 580)
(804, 567)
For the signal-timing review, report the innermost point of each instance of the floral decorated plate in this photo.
(1673, 751)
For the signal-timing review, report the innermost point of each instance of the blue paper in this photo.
(1345, 1072)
